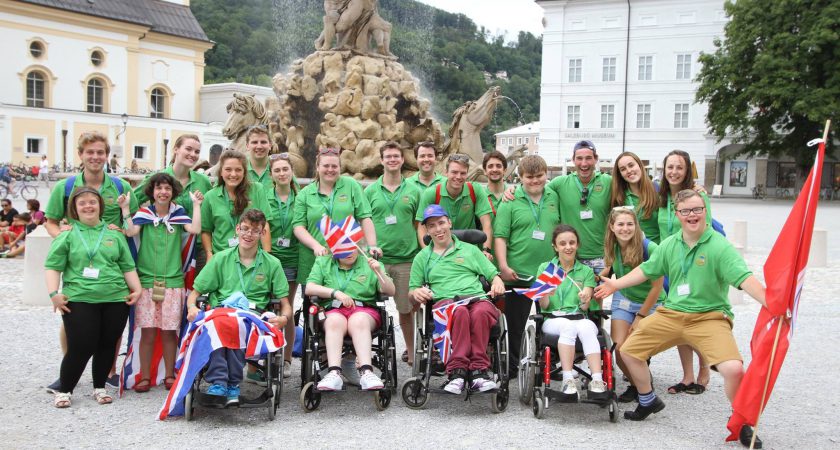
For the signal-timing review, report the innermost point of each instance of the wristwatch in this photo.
(53, 294)
(487, 249)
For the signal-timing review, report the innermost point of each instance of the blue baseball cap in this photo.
(432, 211)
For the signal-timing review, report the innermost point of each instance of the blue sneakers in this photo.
(232, 395)
(217, 390)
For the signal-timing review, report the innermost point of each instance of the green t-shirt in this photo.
(393, 215)
(638, 293)
(565, 297)
(455, 272)
(264, 179)
(159, 256)
(198, 182)
(707, 269)
(415, 180)
(224, 275)
(520, 222)
(670, 225)
(650, 226)
(55, 209)
(69, 255)
(347, 199)
(217, 213)
(280, 222)
(494, 201)
(590, 220)
(461, 210)
(359, 282)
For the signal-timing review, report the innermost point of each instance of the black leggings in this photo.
(92, 329)
(517, 310)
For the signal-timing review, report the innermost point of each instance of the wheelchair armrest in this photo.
(485, 285)
(202, 303)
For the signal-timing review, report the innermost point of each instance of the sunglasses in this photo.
(329, 151)
(258, 127)
(584, 196)
(284, 155)
(459, 157)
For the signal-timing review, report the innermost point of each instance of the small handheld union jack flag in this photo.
(341, 237)
(443, 326)
(545, 284)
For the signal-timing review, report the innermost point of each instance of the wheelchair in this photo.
(270, 369)
(314, 359)
(417, 389)
(540, 365)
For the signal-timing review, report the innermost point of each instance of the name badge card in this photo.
(538, 235)
(586, 215)
(283, 242)
(91, 272)
(391, 220)
(683, 290)
(233, 242)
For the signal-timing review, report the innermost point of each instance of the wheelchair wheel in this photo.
(414, 394)
(310, 398)
(419, 349)
(275, 384)
(538, 404)
(527, 365)
(189, 405)
(382, 399)
(499, 399)
(613, 407)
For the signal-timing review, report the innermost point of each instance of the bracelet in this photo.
(641, 315)
(53, 294)
(332, 294)
(487, 249)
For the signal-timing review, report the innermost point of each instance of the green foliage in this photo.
(775, 79)
(448, 53)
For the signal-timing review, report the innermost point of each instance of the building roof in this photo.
(528, 128)
(161, 16)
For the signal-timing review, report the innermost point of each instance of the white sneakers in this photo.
(482, 384)
(455, 386)
(369, 381)
(569, 387)
(331, 382)
(597, 387)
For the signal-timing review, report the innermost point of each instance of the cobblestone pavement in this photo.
(800, 413)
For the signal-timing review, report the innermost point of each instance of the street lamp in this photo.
(124, 118)
(165, 145)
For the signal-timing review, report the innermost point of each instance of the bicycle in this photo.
(759, 192)
(23, 188)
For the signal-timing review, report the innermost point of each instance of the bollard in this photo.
(736, 296)
(739, 234)
(35, 286)
(819, 249)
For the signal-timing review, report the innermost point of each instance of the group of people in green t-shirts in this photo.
(618, 236)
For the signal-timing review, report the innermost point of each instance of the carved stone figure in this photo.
(244, 111)
(352, 24)
(464, 132)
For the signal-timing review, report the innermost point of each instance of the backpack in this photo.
(71, 182)
(472, 197)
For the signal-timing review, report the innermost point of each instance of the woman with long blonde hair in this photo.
(632, 187)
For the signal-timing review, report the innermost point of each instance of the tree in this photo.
(775, 79)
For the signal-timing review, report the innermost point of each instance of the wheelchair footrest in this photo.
(260, 400)
(210, 401)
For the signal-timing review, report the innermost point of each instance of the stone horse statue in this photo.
(513, 157)
(244, 111)
(464, 132)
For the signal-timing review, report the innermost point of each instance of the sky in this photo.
(497, 15)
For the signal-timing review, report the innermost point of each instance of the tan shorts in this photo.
(709, 333)
(400, 273)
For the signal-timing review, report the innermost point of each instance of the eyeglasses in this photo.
(459, 157)
(250, 231)
(697, 211)
(284, 155)
(584, 196)
(329, 151)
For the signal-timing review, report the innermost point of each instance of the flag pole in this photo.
(776, 340)
(367, 257)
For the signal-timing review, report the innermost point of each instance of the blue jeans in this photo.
(225, 367)
(624, 309)
(596, 264)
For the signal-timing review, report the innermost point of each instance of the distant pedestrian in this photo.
(44, 173)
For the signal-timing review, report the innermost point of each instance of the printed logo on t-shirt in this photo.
(109, 198)
(466, 206)
(109, 242)
(259, 277)
(405, 199)
(599, 188)
(459, 260)
(701, 260)
(343, 198)
(362, 278)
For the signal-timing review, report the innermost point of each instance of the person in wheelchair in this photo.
(450, 268)
(349, 287)
(245, 277)
(566, 310)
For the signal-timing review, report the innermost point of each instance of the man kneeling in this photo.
(448, 268)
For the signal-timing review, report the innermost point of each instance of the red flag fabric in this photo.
(784, 273)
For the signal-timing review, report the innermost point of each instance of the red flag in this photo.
(784, 273)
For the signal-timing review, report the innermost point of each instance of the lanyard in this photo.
(395, 196)
(430, 265)
(233, 219)
(538, 212)
(90, 253)
(619, 267)
(257, 263)
(580, 187)
(284, 208)
(670, 218)
(328, 208)
(683, 265)
(342, 284)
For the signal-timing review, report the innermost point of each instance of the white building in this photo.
(131, 69)
(528, 135)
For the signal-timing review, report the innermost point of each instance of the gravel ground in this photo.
(798, 415)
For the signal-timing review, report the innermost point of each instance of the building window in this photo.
(645, 68)
(575, 70)
(643, 115)
(95, 95)
(573, 116)
(527, 140)
(140, 152)
(519, 140)
(34, 146)
(157, 107)
(537, 140)
(97, 58)
(607, 116)
(684, 67)
(36, 49)
(36, 89)
(608, 74)
(681, 115)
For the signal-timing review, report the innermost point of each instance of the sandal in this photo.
(404, 356)
(143, 385)
(102, 397)
(695, 389)
(168, 382)
(677, 388)
(62, 400)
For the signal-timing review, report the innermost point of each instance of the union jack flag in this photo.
(545, 284)
(212, 330)
(443, 326)
(341, 237)
(176, 216)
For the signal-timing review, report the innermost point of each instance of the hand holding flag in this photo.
(545, 284)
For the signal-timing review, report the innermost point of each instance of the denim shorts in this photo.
(624, 309)
(291, 273)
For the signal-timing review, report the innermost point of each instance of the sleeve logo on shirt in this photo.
(701, 260)
(343, 198)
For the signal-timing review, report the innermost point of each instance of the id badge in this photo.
(252, 305)
(91, 272)
(624, 304)
(586, 215)
(538, 235)
(283, 242)
(683, 290)
(233, 242)
(391, 220)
